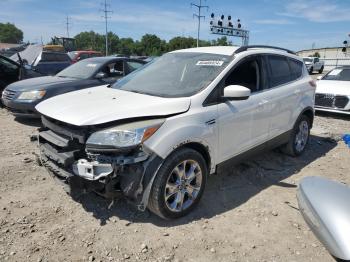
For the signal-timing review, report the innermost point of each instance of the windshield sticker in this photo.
(335, 72)
(91, 65)
(210, 63)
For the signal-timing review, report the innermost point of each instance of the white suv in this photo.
(155, 135)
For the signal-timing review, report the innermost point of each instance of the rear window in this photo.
(280, 72)
(296, 68)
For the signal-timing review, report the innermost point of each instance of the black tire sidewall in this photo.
(169, 164)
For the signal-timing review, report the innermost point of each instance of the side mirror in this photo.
(319, 78)
(236, 92)
(101, 75)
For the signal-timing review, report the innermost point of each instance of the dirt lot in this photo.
(247, 214)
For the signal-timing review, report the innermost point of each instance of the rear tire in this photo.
(321, 70)
(179, 184)
(299, 137)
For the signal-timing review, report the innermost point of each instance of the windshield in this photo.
(81, 70)
(339, 74)
(175, 74)
(307, 60)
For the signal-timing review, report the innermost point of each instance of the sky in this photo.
(293, 24)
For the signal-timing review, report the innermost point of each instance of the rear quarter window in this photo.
(280, 71)
(296, 68)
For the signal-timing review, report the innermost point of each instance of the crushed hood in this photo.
(333, 87)
(101, 104)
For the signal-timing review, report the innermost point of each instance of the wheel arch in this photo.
(200, 148)
(309, 112)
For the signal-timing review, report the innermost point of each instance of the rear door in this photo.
(284, 92)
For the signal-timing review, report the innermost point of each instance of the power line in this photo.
(106, 10)
(199, 17)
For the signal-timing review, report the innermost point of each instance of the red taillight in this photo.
(313, 83)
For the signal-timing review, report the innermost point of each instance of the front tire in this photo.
(299, 137)
(179, 184)
(311, 70)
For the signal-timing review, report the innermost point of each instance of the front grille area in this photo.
(60, 146)
(8, 94)
(331, 101)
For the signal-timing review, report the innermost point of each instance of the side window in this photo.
(280, 72)
(317, 60)
(132, 65)
(115, 69)
(297, 68)
(245, 74)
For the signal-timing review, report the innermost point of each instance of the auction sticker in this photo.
(210, 63)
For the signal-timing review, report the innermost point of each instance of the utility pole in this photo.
(68, 23)
(106, 10)
(199, 16)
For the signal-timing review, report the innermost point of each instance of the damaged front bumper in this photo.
(110, 174)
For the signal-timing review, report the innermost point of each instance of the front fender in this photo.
(175, 133)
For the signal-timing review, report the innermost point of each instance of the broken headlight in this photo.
(124, 136)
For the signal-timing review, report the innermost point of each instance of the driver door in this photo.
(244, 124)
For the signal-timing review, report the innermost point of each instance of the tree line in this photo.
(148, 45)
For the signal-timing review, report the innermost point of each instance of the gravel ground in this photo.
(248, 213)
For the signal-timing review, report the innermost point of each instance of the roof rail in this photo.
(246, 47)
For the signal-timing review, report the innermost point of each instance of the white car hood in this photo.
(333, 87)
(101, 104)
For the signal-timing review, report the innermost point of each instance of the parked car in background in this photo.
(11, 71)
(325, 207)
(51, 63)
(333, 91)
(22, 97)
(76, 56)
(156, 134)
(314, 64)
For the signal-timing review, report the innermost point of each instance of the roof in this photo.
(219, 50)
(231, 50)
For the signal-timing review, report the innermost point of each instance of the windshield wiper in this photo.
(135, 91)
